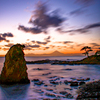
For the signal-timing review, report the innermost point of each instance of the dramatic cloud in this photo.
(81, 30)
(7, 35)
(77, 12)
(4, 35)
(41, 19)
(31, 30)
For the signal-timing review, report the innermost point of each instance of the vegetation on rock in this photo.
(87, 50)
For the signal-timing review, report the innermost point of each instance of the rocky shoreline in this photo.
(89, 91)
(94, 59)
(85, 88)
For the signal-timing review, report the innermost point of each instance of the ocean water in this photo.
(36, 92)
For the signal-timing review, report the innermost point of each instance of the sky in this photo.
(45, 26)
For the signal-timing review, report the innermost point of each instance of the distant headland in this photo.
(94, 59)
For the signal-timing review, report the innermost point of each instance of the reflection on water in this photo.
(13, 92)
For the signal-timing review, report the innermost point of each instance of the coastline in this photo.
(94, 59)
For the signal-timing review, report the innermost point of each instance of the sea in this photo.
(48, 72)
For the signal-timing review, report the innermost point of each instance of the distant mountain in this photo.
(55, 53)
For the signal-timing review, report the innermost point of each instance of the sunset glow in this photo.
(47, 26)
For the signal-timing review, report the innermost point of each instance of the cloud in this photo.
(4, 35)
(80, 45)
(64, 42)
(44, 43)
(81, 30)
(47, 39)
(42, 19)
(45, 48)
(77, 12)
(31, 30)
(5, 49)
(7, 35)
(52, 46)
(9, 45)
(2, 38)
(85, 2)
(34, 46)
(31, 47)
(94, 44)
(95, 25)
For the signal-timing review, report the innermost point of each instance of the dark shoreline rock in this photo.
(15, 69)
(89, 90)
(94, 59)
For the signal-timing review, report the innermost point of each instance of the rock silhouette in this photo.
(15, 69)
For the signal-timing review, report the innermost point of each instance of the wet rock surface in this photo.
(15, 69)
(74, 84)
(89, 91)
(51, 88)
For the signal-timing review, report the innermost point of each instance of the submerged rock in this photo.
(74, 83)
(15, 69)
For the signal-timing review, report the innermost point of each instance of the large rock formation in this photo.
(14, 70)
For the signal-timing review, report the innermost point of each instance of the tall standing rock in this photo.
(15, 69)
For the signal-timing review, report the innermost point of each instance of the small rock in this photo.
(39, 83)
(35, 80)
(65, 81)
(46, 73)
(53, 82)
(45, 85)
(73, 78)
(81, 83)
(53, 77)
(69, 96)
(68, 89)
(63, 92)
(81, 79)
(68, 69)
(74, 84)
(49, 89)
(87, 79)
(50, 94)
